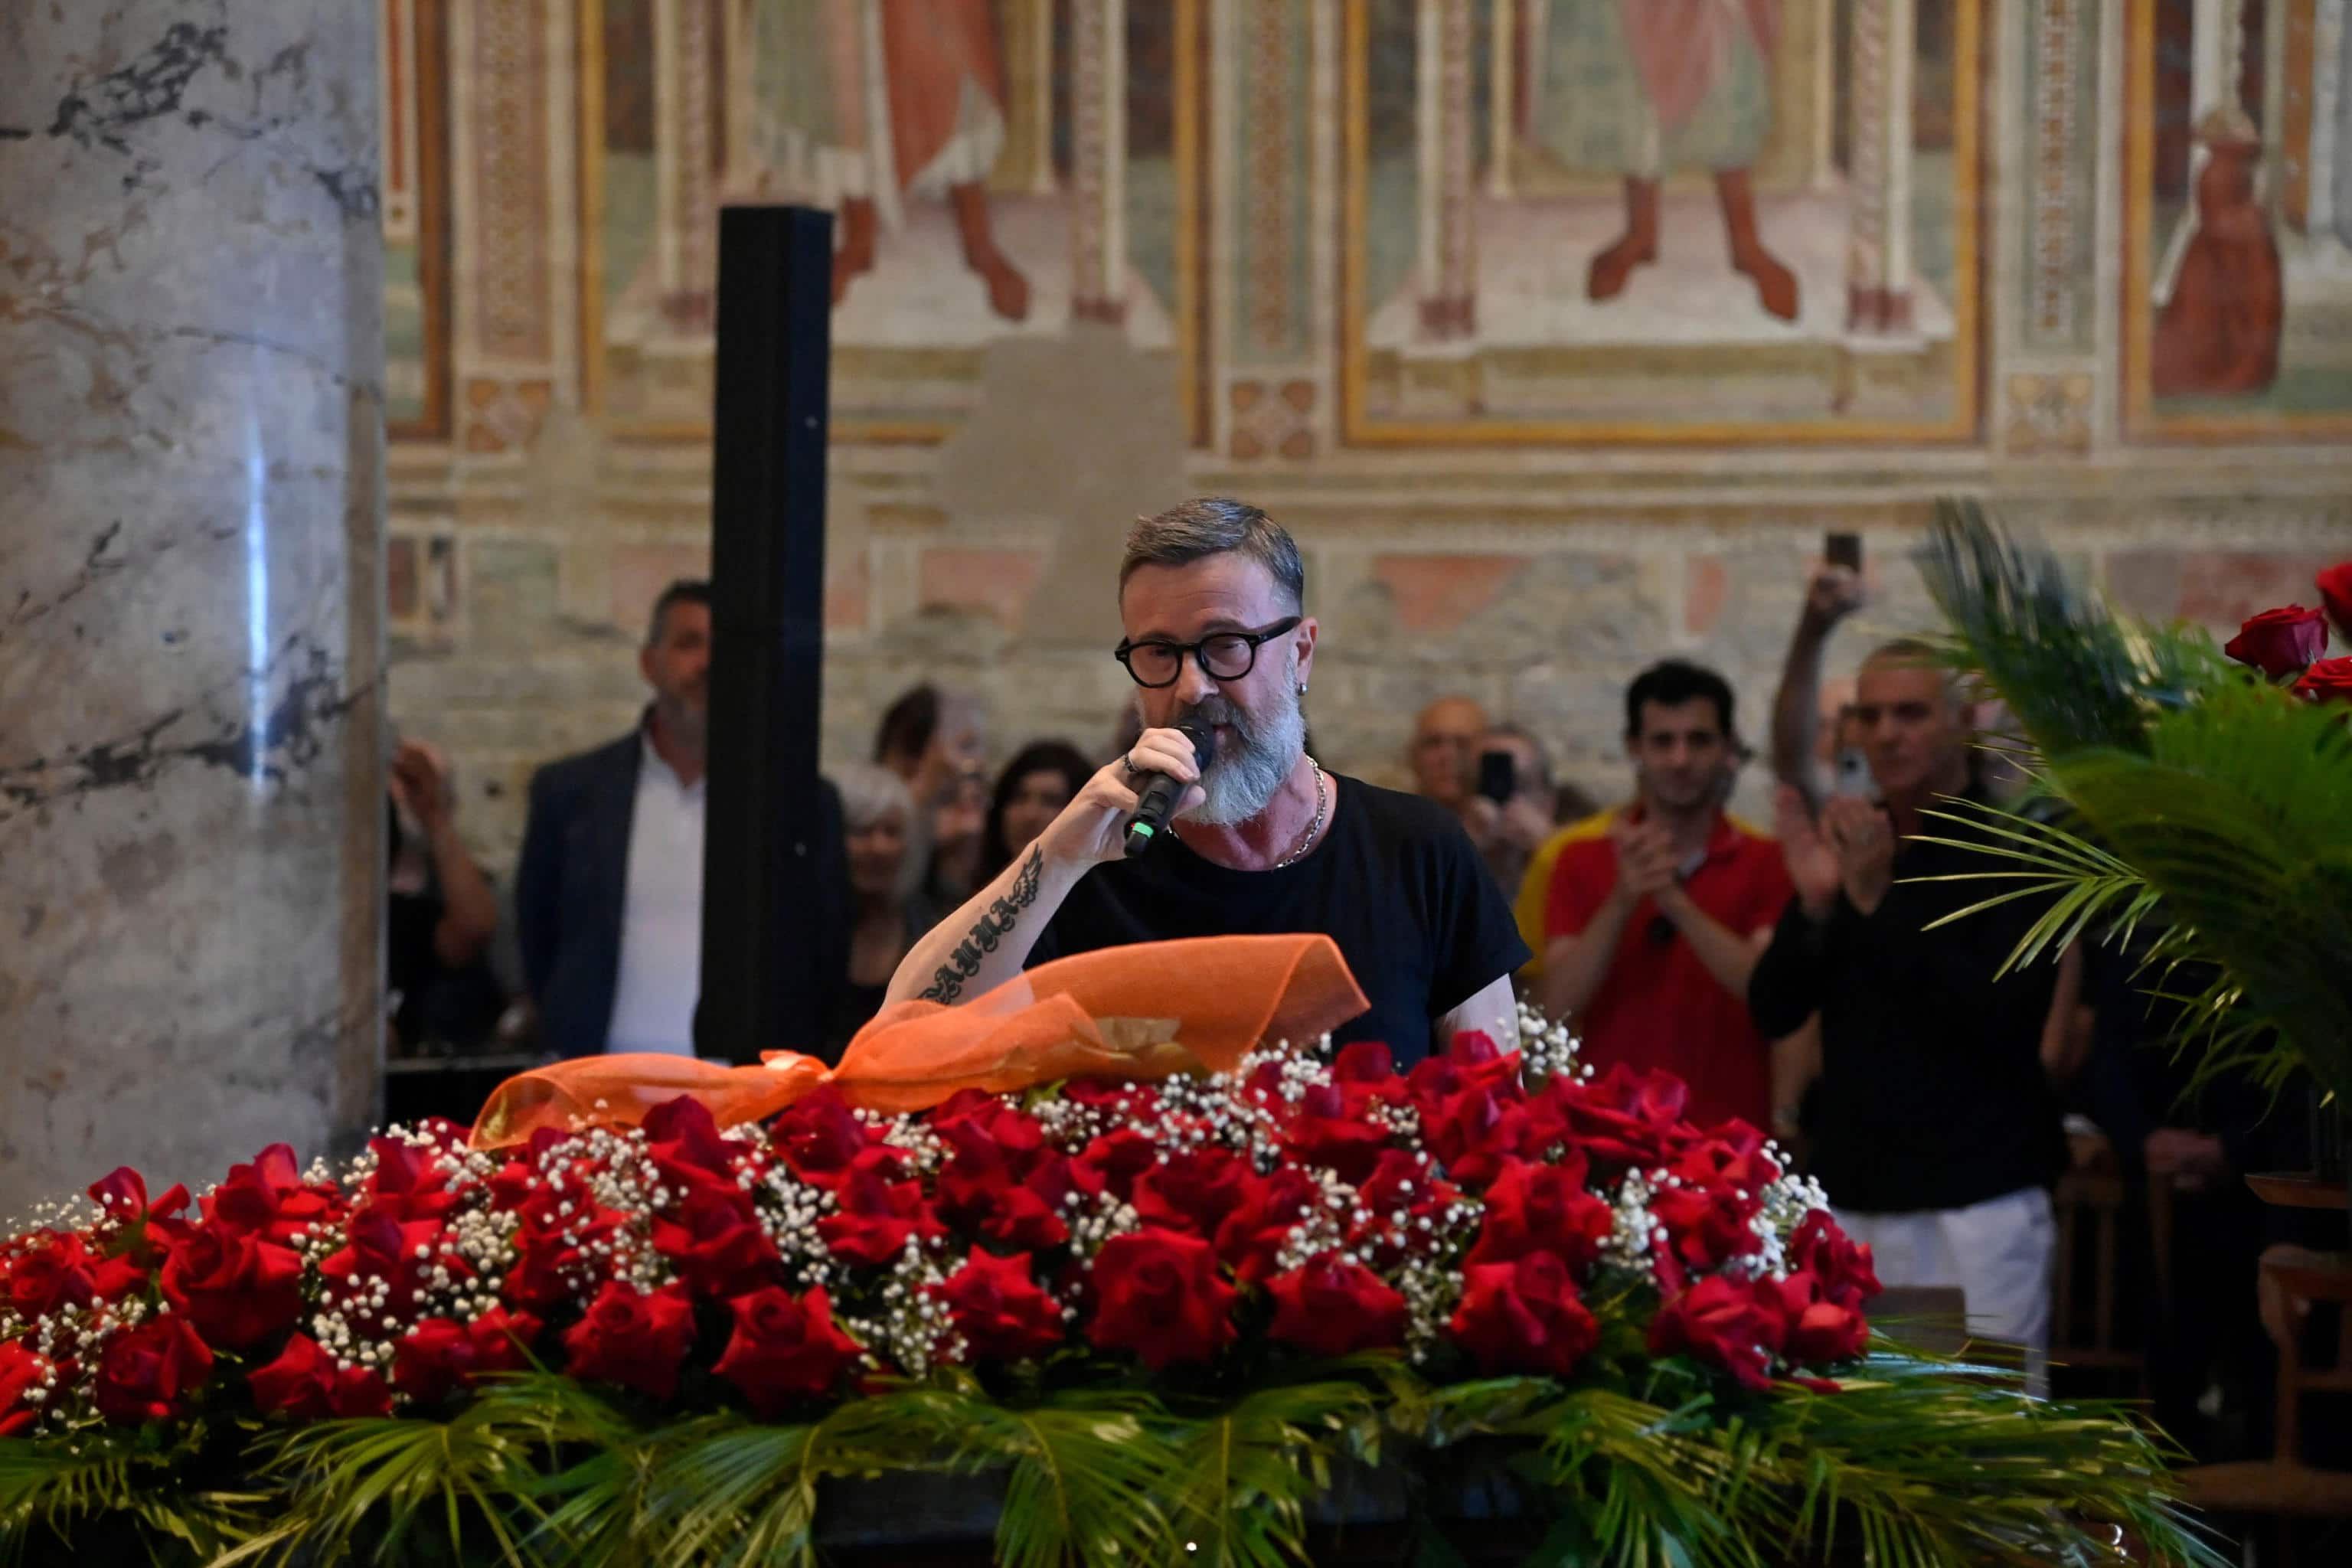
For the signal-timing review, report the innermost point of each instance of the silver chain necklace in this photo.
(1322, 802)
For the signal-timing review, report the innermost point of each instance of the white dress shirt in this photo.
(661, 919)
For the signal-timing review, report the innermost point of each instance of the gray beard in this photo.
(1240, 782)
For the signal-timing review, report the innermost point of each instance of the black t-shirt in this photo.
(1932, 1093)
(1395, 883)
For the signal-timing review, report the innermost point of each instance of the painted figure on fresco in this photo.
(865, 103)
(2219, 332)
(1644, 86)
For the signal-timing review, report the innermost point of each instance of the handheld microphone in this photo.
(1158, 800)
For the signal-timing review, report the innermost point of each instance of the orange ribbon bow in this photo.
(1132, 1013)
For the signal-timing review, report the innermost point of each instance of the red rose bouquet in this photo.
(1325, 1235)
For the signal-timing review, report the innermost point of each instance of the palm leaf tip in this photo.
(2075, 674)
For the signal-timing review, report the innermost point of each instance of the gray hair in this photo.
(869, 792)
(1214, 525)
(1918, 653)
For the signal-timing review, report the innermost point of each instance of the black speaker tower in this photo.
(770, 929)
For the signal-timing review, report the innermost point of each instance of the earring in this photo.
(1302, 688)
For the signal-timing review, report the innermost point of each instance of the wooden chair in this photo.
(2282, 1486)
(2091, 1205)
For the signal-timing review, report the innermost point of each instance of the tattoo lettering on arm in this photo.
(1002, 915)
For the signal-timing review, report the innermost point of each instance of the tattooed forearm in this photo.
(1002, 915)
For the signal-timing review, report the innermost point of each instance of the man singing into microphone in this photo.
(1264, 841)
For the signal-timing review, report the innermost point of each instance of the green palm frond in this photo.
(2074, 674)
(1253, 1467)
(2201, 804)
(50, 1492)
(376, 1488)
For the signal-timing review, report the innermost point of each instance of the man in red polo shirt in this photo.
(1653, 926)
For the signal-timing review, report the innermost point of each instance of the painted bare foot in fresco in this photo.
(1008, 291)
(1637, 244)
(1776, 285)
(855, 253)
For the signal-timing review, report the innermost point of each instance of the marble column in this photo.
(191, 518)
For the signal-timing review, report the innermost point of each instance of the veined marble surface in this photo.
(190, 515)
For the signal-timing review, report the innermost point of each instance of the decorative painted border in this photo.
(428, 184)
(2058, 206)
(1964, 427)
(2142, 421)
(1190, 306)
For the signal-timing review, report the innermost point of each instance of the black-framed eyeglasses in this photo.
(1225, 655)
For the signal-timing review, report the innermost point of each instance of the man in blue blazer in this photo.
(608, 893)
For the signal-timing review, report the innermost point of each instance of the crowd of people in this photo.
(1804, 976)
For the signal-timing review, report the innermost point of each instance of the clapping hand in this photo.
(1812, 863)
(1646, 862)
(1851, 849)
(1864, 838)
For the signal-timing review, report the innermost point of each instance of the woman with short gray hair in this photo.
(878, 816)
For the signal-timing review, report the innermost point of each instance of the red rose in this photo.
(409, 1182)
(1621, 1120)
(144, 1372)
(1815, 1327)
(236, 1289)
(305, 1382)
(1731, 1155)
(1401, 1184)
(877, 1216)
(149, 1230)
(1543, 1208)
(1157, 1293)
(999, 1309)
(21, 1372)
(715, 1244)
(1705, 1228)
(632, 1339)
(683, 1140)
(553, 1247)
(1255, 1232)
(1524, 1316)
(122, 1194)
(2280, 642)
(400, 1253)
(1118, 1157)
(1127, 1100)
(1820, 1247)
(783, 1349)
(1011, 1188)
(1193, 1191)
(820, 1136)
(1737, 1326)
(1334, 1309)
(1474, 1063)
(1369, 1067)
(53, 1269)
(440, 1354)
(1473, 1131)
(2329, 680)
(1325, 1131)
(267, 1198)
(2335, 586)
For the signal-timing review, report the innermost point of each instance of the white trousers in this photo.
(2000, 1253)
